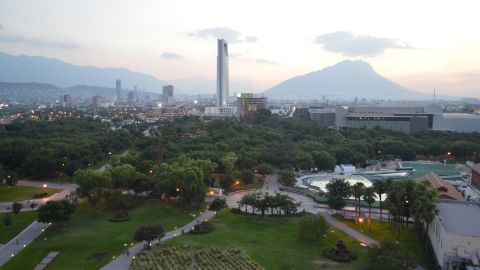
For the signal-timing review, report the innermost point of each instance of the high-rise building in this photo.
(222, 73)
(118, 88)
(66, 101)
(131, 98)
(168, 95)
(96, 101)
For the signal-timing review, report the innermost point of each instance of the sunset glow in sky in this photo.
(422, 45)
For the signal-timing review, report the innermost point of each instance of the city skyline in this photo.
(411, 43)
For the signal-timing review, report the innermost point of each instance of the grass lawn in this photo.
(20, 193)
(272, 242)
(87, 233)
(382, 230)
(20, 222)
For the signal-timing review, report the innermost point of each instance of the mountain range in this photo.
(345, 80)
(40, 69)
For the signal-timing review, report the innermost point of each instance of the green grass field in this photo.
(20, 222)
(272, 242)
(383, 230)
(20, 193)
(87, 233)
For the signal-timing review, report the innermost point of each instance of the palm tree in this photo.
(369, 197)
(424, 209)
(357, 191)
(380, 188)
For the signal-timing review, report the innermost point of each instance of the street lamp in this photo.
(45, 185)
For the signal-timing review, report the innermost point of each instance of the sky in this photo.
(422, 45)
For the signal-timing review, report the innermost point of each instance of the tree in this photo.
(303, 160)
(226, 181)
(247, 176)
(336, 202)
(123, 176)
(338, 187)
(148, 233)
(369, 197)
(217, 204)
(424, 209)
(17, 207)
(228, 161)
(11, 180)
(389, 255)
(7, 220)
(357, 192)
(264, 169)
(324, 161)
(92, 185)
(56, 211)
(287, 178)
(312, 227)
(380, 188)
(70, 168)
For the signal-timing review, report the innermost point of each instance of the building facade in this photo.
(475, 178)
(168, 95)
(454, 234)
(118, 89)
(323, 116)
(131, 98)
(249, 106)
(222, 72)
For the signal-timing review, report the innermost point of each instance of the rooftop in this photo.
(476, 168)
(444, 189)
(461, 116)
(461, 218)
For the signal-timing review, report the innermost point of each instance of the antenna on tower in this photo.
(434, 95)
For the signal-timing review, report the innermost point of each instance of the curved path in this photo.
(33, 230)
(123, 261)
(271, 186)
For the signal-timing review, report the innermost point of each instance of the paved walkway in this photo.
(271, 186)
(49, 258)
(123, 261)
(66, 190)
(33, 230)
(20, 241)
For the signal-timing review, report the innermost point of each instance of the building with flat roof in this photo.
(323, 116)
(406, 119)
(118, 89)
(475, 177)
(444, 190)
(249, 106)
(220, 111)
(168, 95)
(455, 235)
(459, 122)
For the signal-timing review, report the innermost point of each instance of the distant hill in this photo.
(345, 80)
(43, 92)
(53, 71)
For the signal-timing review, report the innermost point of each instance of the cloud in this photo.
(266, 61)
(35, 42)
(227, 33)
(170, 55)
(349, 44)
(1, 27)
(251, 39)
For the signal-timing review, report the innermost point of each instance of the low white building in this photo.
(455, 234)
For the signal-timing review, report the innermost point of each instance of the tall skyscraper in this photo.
(119, 89)
(168, 95)
(222, 73)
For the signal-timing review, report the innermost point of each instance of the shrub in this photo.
(204, 227)
(40, 195)
(17, 207)
(120, 217)
(217, 204)
(330, 253)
